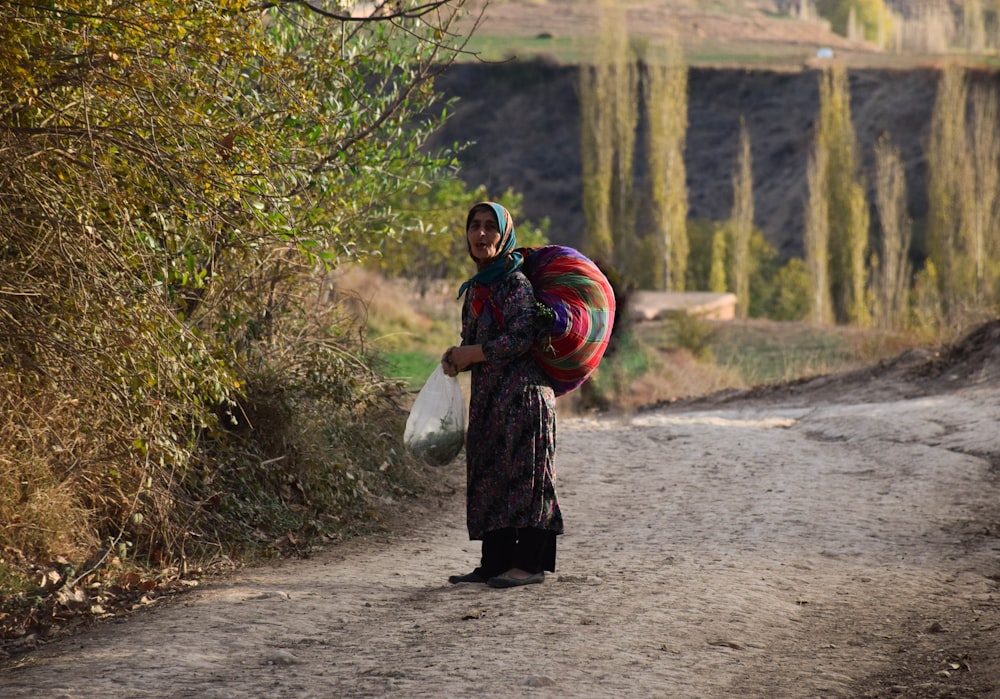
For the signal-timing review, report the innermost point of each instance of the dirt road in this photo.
(755, 550)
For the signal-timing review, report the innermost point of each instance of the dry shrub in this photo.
(41, 506)
(51, 524)
(315, 441)
(367, 294)
(679, 374)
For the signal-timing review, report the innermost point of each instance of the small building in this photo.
(657, 305)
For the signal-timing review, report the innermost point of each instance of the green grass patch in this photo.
(631, 360)
(411, 366)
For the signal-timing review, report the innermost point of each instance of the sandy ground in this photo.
(786, 547)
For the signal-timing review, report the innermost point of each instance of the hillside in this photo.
(522, 116)
(523, 125)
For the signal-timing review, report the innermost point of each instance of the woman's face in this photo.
(483, 235)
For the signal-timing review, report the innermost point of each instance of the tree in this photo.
(717, 273)
(871, 17)
(846, 209)
(626, 119)
(599, 88)
(892, 267)
(817, 237)
(981, 199)
(742, 222)
(666, 111)
(429, 242)
(947, 169)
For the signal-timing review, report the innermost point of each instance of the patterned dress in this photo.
(510, 446)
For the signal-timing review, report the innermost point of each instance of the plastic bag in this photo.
(435, 428)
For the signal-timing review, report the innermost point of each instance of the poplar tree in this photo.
(666, 110)
(817, 237)
(742, 223)
(623, 210)
(947, 169)
(892, 266)
(846, 208)
(981, 200)
(717, 271)
(599, 133)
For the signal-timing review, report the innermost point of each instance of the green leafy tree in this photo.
(608, 88)
(712, 254)
(787, 296)
(817, 237)
(838, 194)
(981, 201)
(429, 241)
(717, 275)
(948, 171)
(599, 86)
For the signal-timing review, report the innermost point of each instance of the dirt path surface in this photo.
(776, 548)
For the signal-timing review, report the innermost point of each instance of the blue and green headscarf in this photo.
(507, 261)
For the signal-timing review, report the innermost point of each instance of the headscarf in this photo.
(507, 261)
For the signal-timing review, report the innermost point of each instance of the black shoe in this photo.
(473, 577)
(501, 582)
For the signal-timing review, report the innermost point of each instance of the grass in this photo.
(571, 51)
(409, 327)
(765, 352)
(763, 55)
(411, 366)
(672, 360)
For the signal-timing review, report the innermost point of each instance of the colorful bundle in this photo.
(584, 305)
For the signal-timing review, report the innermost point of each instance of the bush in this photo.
(786, 295)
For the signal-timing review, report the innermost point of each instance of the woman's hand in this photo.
(447, 364)
(458, 359)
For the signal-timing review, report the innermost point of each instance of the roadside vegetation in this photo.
(178, 390)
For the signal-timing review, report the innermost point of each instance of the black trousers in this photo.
(531, 550)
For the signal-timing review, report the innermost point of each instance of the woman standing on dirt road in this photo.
(511, 500)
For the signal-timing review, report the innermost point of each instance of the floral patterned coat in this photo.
(510, 445)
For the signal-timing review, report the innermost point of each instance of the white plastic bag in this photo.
(435, 429)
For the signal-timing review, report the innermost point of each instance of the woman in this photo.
(511, 500)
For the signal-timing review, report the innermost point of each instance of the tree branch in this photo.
(377, 15)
